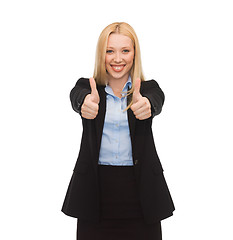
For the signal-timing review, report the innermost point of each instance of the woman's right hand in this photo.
(90, 106)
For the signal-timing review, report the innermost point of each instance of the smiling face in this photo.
(119, 57)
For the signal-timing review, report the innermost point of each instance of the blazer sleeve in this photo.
(154, 93)
(78, 93)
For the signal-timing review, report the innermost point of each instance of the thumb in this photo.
(136, 92)
(94, 92)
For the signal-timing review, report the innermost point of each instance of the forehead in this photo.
(119, 40)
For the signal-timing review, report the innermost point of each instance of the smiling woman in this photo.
(117, 190)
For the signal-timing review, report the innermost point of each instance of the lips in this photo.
(117, 68)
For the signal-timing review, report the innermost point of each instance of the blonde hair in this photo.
(100, 74)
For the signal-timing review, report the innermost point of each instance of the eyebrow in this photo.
(121, 48)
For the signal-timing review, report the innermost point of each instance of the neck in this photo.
(117, 84)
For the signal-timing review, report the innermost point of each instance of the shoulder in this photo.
(82, 82)
(149, 84)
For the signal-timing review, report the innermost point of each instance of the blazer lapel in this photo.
(131, 119)
(99, 120)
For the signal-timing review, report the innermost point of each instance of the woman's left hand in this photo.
(141, 105)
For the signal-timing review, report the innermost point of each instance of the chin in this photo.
(117, 75)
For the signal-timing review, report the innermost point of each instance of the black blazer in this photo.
(82, 197)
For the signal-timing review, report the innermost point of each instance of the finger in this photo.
(137, 85)
(143, 116)
(137, 105)
(141, 109)
(94, 92)
(93, 85)
(136, 92)
(90, 107)
(89, 115)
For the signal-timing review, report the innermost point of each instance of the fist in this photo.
(141, 105)
(90, 106)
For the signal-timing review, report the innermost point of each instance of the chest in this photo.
(115, 116)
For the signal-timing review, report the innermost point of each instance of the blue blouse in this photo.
(116, 148)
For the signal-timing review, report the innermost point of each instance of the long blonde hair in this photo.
(100, 74)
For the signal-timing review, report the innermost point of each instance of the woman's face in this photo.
(119, 56)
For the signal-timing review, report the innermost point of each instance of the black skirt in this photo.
(121, 213)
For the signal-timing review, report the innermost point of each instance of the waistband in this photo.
(115, 166)
(116, 170)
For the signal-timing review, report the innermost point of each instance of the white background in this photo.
(47, 45)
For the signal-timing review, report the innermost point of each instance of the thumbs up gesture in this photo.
(90, 106)
(141, 105)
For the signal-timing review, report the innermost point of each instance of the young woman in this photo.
(117, 190)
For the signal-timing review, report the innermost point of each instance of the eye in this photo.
(109, 51)
(125, 50)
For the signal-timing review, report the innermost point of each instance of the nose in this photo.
(117, 57)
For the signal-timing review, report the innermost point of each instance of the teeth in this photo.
(118, 68)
